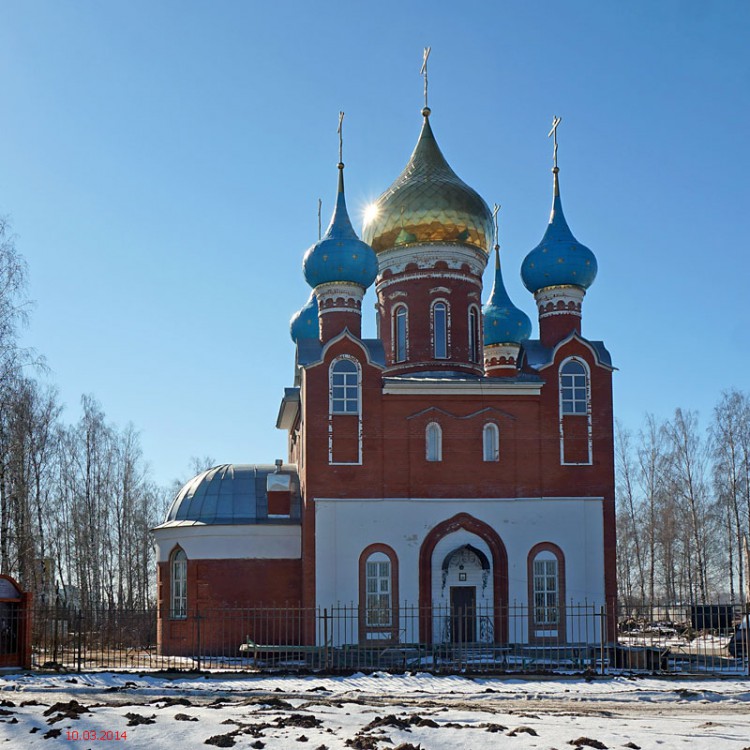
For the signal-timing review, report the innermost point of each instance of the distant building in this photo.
(452, 464)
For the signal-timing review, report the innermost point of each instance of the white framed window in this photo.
(546, 589)
(400, 333)
(378, 591)
(345, 390)
(433, 442)
(440, 330)
(178, 585)
(573, 388)
(474, 349)
(491, 442)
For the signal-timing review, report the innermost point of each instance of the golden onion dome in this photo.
(428, 202)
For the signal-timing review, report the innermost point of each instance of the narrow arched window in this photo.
(491, 442)
(379, 590)
(433, 442)
(378, 594)
(546, 588)
(440, 330)
(344, 387)
(573, 388)
(178, 583)
(473, 334)
(400, 329)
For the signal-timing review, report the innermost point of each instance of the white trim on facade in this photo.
(589, 437)
(235, 542)
(459, 388)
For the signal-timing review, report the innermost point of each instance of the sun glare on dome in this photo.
(371, 212)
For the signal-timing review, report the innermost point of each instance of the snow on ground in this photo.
(371, 712)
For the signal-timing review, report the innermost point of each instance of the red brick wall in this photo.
(418, 299)
(221, 597)
(394, 465)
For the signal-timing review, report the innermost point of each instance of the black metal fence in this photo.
(674, 639)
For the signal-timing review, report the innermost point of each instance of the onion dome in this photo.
(340, 255)
(428, 202)
(504, 323)
(559, 259)
(304, 323)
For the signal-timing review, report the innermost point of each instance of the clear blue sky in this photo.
(161, 163)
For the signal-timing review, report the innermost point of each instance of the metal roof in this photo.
(539, 356)
(310, 351)
(231, 494)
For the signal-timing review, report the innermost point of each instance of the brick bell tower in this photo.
(432, 235)
(558, 271)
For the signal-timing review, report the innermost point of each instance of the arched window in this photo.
(473, 334)
(546, 572)
(546, 590)
(400, 331)
(573, 388)
(344, 387)
(433, 442)
(178, 582)
(378, 599)
(491, 442)
(378, 594)
(440, 330)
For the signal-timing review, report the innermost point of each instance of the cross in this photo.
(553, 132)
(495, 212)
(339, 130)
(320, 208)
(423, 71)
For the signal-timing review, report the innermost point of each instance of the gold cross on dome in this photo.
(423, 71)
(555, 122)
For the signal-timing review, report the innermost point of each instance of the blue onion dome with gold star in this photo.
(504, 323)
(304, 323)
(559, 259)
(428, 202)
(340, 255)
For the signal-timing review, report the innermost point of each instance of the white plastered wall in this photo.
(241, 541)
(344, 527)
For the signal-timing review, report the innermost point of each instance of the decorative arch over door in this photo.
(499, 572)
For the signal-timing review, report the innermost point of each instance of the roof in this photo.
(539, 356)
(428, 202)
(310, 351)
(231, 494)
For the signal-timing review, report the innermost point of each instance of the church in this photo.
(449, 481)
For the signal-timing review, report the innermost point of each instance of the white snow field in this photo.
(372, 712)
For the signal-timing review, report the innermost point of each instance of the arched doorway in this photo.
(463, 583)
(465, 575)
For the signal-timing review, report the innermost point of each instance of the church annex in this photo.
(441, 478)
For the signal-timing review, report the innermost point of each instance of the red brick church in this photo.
(452, 464)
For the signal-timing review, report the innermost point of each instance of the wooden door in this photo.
(463, 614)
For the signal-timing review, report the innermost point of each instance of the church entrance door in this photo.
(463, 614)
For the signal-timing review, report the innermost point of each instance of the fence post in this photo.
(79, 629)
(325, 638)
(602, 630)
(54, 631)
(198, 638)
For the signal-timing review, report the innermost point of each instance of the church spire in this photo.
(559, 270)
(339, 266)
(505, 326)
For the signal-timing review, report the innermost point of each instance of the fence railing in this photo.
(692, 639)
